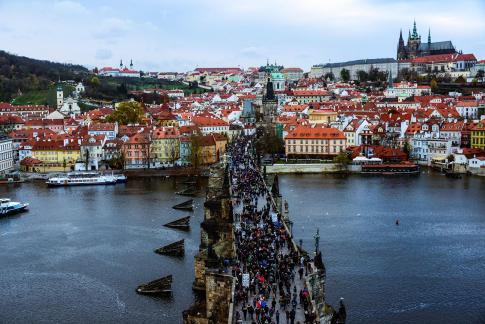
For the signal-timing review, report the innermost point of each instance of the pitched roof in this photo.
(305, 132)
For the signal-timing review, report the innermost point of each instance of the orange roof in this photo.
(310, 93)
(315, 133)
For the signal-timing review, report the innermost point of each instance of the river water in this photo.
(429, 269)
(79, 253)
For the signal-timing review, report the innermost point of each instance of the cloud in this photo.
(113, 28)
(179, 35)
(103, 54)
(252, 52)
(70, 7)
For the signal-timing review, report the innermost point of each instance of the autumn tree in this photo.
(127, 113)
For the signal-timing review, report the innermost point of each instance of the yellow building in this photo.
(165, 147)
(55, 156)
(211, 148)
(322, 116)
(477, 135)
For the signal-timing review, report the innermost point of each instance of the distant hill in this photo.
(19, 75)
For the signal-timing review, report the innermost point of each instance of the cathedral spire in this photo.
(415, 30)
(429, 36)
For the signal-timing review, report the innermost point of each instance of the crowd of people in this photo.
(270, 286)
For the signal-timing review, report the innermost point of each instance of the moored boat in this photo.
(391, 169)
(81, 179)
(120, 178)
(8, 207)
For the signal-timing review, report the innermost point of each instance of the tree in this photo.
(460, 79)
(86, 161)
(480, 74)
(345, 75)
(127, 113)
(195, 151)
(329, 76)
(342, 160)
(95, 82)
(362, 76)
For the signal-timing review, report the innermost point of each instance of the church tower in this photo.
(131, 64)
(414, 43)
(121, 64)
(269, 103)
(401, 49)
(60, 96)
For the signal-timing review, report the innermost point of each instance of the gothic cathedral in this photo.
(416, 48)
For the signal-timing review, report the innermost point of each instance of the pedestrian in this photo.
(250, 311)
(277, 316)
(244, 310)
(292, 316)
(300, 272)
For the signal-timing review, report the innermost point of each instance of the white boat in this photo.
(120, 178)
(8, 207)
(81, 179)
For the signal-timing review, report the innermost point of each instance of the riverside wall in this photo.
(304, 168)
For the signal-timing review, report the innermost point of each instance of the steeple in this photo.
(131, 64)
(429, 36)
(121, 64)
(409, 35)
(415, 30)
(401, 40)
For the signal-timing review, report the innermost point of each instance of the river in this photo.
(79, 253)
(429, 269)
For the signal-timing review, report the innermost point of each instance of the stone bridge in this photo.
(214, 283)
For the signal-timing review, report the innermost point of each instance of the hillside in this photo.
(26, 81)
(22, 75)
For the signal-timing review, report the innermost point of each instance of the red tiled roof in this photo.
(315, 133)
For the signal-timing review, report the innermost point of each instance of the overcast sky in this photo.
(179, 35)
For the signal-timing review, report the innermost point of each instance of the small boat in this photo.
(120, 178)
(181, 223)
(8, 207)
(81, 179)
(186, 205)
(162, 286)
(172, 249)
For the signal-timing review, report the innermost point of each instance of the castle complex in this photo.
(416, 48)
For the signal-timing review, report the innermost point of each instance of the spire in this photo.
(121, 64)
(401, 40)
(390, 83)
(131, 64)
(409, 34)
(415, 30)
(429, 36)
